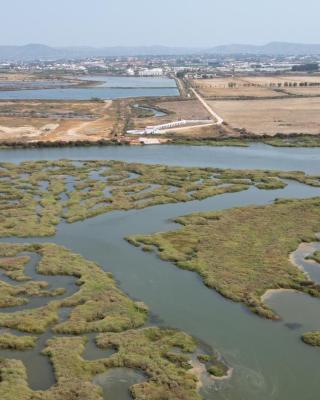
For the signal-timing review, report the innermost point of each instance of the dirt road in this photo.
(219, 120)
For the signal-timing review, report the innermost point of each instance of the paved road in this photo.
(210, 110)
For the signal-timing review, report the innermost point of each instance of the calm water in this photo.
(269, 360)
(109, 88)
(256, 156)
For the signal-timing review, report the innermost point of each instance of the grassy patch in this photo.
(312, 338)
(14, 267)
(293, 141)
(13, 342)
(36, 196)
(97, 306)
(149, 350)
(243, 252)
(315, 256)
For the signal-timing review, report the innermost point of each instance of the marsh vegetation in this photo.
(243, 252)
(98, 306)
(37, 195)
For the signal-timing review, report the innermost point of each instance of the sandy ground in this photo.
(304, 91)
(15, 76)
(269, 293)
(199, 370)
(47, 129)
(304, 249)
(271, 116)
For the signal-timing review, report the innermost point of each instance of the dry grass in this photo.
(187, 109)
(304, 91)
(272, 116)
(258, 87)
(175, 110)
(13, 342)
(232, 88)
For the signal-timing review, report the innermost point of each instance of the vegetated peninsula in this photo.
(313, 338)
(96, 305)
(38, 195)
(243, 252)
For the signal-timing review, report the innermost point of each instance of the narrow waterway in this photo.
(269, 359)
(256, 156)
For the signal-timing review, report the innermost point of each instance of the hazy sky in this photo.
(166, 22)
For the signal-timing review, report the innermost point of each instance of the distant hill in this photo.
(38, 51)
(273, 48)
(31, 52)
(27, 52)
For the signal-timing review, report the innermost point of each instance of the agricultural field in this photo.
(166, 358)
(220, 89)
(36, 196)
(272, 116)
(243, 252)
(258, 87)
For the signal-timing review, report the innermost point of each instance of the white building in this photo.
(130, 72)
(151, 72)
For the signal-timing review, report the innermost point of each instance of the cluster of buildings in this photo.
(189, 66)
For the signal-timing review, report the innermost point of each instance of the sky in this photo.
(192, 23)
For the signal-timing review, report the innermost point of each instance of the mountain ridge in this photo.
(35, 51)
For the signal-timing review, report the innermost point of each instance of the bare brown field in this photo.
(274, 80)
(188, 109)
(256, 86)
(312, 91)
(272, 116)
(176, 110)
(52, 109)
(57, 121)
(232, 87)
(15, 76)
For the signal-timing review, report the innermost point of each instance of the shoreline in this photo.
(304, 249)
(199, 370)
(242, 141)
(270, 292)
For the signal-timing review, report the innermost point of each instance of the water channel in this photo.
(269, 359)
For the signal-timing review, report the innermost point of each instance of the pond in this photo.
(108, 88)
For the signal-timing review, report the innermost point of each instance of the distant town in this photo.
(189, 66)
